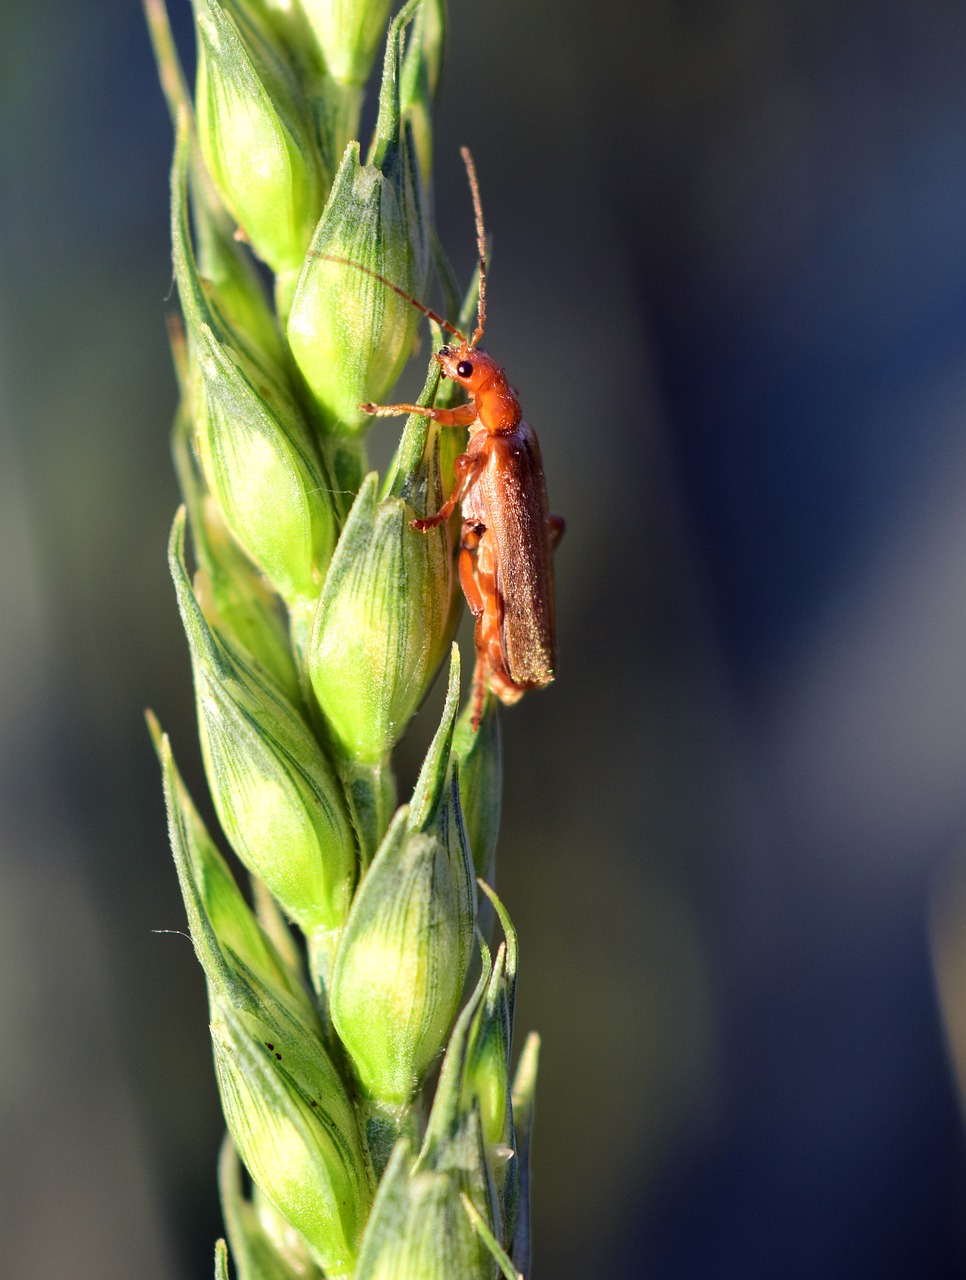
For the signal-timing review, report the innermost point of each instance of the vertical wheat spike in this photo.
(316, 620)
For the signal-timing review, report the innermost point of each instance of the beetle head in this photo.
(467, 365)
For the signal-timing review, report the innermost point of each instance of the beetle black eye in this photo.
(444, 351)
(464, 368)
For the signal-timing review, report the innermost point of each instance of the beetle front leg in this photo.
(558, 527)
(461, 416)
(466, 469)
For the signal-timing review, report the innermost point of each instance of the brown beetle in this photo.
(508, 536)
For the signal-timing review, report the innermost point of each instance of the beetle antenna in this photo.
(407, 297)
(480, 243)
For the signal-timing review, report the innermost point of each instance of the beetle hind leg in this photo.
(480, 675)
(486, 677)
(491, 669)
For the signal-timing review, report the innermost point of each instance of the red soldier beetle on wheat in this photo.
(508, 535)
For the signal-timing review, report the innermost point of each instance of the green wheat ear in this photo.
(316, 621)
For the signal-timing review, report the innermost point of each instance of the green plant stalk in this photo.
(316, 620)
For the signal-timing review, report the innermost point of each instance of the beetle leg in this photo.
(506, 689)
(480, 589)
(557, 526)
(474, 593)
(490, 667)
(461, 416)
(486, 602)
(486, 606)
(465, 469)
(480, 674)
(494, 662)
(467, 567)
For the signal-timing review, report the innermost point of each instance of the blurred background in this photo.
(729, 279)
